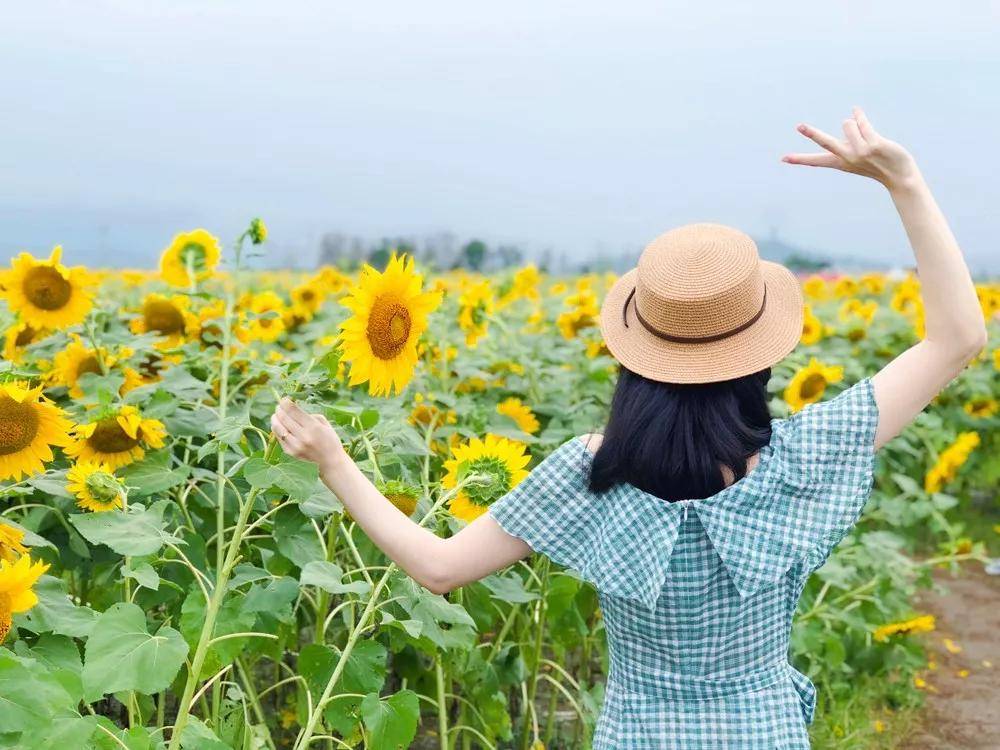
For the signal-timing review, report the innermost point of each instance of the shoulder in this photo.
(592, 441)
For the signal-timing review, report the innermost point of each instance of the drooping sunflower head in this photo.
(95, 486)
(117, 438)
(30, 425)
(257, 231)
(389, 314)
(518, 411)
(476, 304)
(75, 361)
(45, 293)
(16, 580)
(487, 470)
(190, 258)
(18, 336)
(809, 384)
(400, 494)
(11, 543)
(169, 317)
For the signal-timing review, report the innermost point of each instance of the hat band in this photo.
(691, 339)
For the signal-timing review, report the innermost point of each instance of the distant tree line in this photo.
(445, 251)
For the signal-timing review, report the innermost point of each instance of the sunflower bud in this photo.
(257, 231)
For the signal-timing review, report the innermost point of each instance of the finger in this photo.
(281, 426)
(853, 134)
(813, 160)
(824, 139)
(321, 419)
(867, 131)
(291, 413)
(290, 445)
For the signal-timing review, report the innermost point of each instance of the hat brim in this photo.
(755, 348)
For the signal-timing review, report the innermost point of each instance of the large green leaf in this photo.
(31, 695)
(231, 618)
(297, 478)
(296, 537)
(197, 736)
(154, 474)
(55, 612)
(364, 673)
(391, 722)
(138, 532)
(328, 576)
(121, 654)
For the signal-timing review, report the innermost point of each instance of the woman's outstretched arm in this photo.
(436, 563)
(953, 320)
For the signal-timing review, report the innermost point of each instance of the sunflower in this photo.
(524, 285)
(400, 494)
(523, 417)
(166, 316)
(18, 336)
(390, 313)
(11, 543)
(808, 384)
(493, 467)
(922, 624)
(29, 425)
(812, 327)
(845, 286)
(74, 361)
(308, 296)
(257, 231)
(332, 280)
(117, 439)
(95, 485)
(16, 580)
(950, 460)
(815, 287)
(475, 306)
(982, 407)
(45, 293)
(266, 322)
(190, 258)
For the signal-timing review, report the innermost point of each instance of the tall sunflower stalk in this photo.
(225, 553)
(363, 622)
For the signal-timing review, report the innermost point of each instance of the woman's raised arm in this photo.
(955, 331)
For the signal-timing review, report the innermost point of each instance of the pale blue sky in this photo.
(572, 125)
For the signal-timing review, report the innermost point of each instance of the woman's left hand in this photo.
(310, 437)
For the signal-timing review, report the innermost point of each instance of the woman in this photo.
(698, 517)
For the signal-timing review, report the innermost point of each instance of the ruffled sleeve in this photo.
(620, 542)
(828, 465)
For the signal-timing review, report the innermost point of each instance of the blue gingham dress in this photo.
(698, 595)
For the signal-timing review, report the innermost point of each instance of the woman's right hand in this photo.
(862, 151)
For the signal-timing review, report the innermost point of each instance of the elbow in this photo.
(438, 582)
(973, 343)
(962, 348)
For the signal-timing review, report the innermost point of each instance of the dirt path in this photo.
(964, 712)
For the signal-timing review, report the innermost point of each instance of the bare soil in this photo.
(963, 713)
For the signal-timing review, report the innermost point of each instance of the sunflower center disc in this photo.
(25, 336)
(812, 386)
(163, 317)
(388, 328)
(18, 425)
(90, 364)
(109, 437)
(46, 288)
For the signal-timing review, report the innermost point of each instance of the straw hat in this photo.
(701, 307)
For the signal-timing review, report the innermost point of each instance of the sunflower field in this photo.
(170, 579)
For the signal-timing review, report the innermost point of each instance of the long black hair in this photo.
(672, 440)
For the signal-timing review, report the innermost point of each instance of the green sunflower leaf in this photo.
(121, 654)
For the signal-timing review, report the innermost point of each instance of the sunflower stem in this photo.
(360, 625)
(526, 727)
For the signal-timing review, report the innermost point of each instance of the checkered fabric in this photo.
(698, 595)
